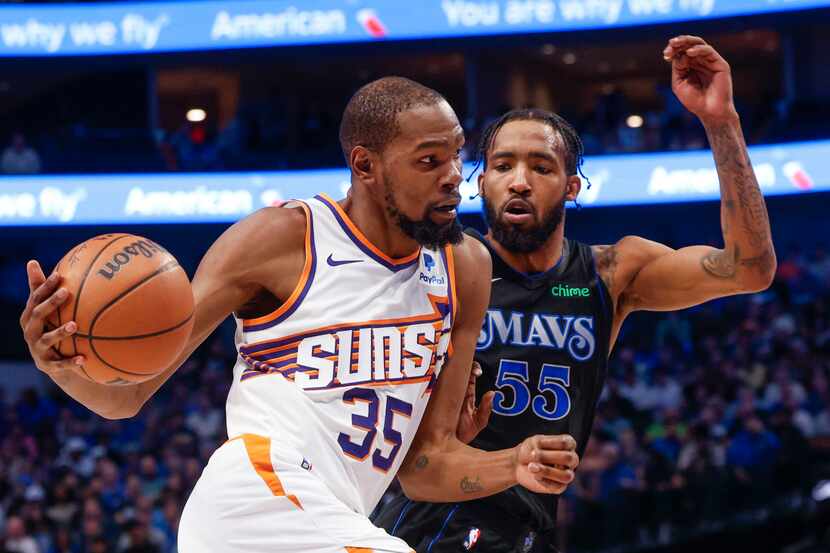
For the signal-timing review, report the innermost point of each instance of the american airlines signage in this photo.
(136, 27)
(224, 197)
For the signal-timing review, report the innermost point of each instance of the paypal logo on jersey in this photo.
(429, 262)
(574, 334)
(430, 279)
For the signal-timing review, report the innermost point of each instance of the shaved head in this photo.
(371, 116)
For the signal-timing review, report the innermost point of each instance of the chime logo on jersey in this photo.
(574, 334)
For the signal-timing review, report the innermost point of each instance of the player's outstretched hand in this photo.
(546, 464)
(472, 418)
(45, 297)
(701, 78)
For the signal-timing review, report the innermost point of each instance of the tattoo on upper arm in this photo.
(471, 486)
(721, 263)
(607, 264)
(421, 462)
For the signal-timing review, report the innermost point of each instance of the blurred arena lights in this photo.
(634, 121)
(196, 115)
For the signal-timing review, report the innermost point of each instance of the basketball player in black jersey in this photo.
(557, 305)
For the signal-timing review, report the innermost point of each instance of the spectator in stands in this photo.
(18, 539)
(19, 158)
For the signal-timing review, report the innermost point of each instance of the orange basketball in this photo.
(133, 306)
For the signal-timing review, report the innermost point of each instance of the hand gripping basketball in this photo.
(123, 312)
(45, 297)
(546, 464)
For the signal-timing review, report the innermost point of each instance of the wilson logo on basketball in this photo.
(145, 248)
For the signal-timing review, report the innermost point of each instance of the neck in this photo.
(376, 224)
(542, 259)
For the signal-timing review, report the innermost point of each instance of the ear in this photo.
(362, 162)
(573, 187)
(481, 184)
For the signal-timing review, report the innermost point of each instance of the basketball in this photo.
(133, 306)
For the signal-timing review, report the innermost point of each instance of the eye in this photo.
(428, 160)
(502, 167)
(542, 170)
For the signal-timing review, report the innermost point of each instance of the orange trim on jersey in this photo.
(259, 452)
(435, 316)
(451, 271)
(365, 241)
(358, 550)
(298, 289)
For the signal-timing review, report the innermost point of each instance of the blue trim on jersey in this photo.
(444, 527)
(357, 242)
(309, 280)
(408, 505)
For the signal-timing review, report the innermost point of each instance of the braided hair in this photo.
(573, 150)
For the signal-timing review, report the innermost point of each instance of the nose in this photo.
(518, 185)
(453, 178)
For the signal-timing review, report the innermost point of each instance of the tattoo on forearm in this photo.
(763, 262)
(421, 462)
(471, 486)
(736, 176)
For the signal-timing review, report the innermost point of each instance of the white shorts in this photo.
(253, 498)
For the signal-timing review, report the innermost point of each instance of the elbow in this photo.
(412, 486)
(122, 412)
(760, 273)
(415, 475)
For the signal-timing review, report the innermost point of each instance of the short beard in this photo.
(427, 233)
(524, 241)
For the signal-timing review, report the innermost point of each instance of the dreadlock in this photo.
(573, 150)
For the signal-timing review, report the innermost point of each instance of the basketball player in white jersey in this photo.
(350, 315)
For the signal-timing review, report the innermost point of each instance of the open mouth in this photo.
(447, 207)
(518, 207)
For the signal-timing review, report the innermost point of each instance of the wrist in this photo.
(514, 460)
(729, 118)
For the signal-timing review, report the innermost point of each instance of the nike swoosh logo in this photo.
(495, 279)
(335, 263)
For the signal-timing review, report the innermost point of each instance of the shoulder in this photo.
(470, 255)
(473, 271)
(271, 230)
(267, 236)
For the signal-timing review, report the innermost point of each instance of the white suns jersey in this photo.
(341, 373)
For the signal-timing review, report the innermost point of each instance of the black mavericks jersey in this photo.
(544, 349)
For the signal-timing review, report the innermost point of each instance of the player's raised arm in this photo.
(439, 467)
(226, 279)
(656, 277)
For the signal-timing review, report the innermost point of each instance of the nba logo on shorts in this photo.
(472, 538)
(429, 262)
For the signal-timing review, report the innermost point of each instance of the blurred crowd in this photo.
(266, 135)
(713, 413)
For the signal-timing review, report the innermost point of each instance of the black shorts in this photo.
(458, 527)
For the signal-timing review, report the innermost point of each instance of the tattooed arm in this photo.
(646, 275)
(438, 466)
